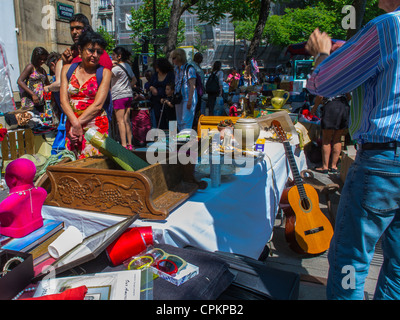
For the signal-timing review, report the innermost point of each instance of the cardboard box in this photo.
(348, 158)
(19, 277)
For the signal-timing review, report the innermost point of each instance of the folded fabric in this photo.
(70, 294)
(213, 278)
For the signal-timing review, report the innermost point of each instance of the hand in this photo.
(67, 56)
(46, 89)
(319, 42)
(35, 99)
(76, 133)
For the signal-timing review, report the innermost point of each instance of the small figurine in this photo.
(21, 211)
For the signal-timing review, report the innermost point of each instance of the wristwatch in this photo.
(321, 54)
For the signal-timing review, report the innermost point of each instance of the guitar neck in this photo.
(295, 171)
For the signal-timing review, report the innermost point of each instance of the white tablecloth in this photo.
(236, 217)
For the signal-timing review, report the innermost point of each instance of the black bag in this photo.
(177, 97)
(212, 85)
(255, 280)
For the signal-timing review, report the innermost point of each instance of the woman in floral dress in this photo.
(82, 99)
(32, 81)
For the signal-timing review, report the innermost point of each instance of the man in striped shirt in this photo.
(368, 65)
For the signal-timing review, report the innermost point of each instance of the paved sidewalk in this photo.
(314, 270)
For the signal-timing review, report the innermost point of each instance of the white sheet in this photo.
(236, 217)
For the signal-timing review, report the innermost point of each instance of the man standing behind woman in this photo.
(122, 81)
(82, 99)
(185, 83)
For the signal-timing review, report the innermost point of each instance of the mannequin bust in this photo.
(21, 211)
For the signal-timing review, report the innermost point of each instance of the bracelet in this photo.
(9, 262)
(321, 54)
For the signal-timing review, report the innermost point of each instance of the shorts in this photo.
(122, 103)
(335, 115)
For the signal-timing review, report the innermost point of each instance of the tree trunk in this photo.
(262, 19)
(359, 6)
(172, 35)
(177, 9)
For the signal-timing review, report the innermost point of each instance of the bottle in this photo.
(112, 149)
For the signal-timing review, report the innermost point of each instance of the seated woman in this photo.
(82, 99)
(21, 211)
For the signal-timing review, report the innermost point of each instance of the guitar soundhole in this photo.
(305, 204)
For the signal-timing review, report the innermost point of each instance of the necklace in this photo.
(23, 192)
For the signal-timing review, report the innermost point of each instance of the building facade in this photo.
(36, 23)
(103, 15)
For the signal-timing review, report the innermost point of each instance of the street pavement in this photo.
(313, 270)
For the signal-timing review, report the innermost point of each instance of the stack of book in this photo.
(35, 243)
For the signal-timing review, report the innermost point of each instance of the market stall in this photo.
(236, 217)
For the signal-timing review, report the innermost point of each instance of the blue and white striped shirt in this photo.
(368, 65)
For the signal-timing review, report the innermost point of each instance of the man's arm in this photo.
(348, 67)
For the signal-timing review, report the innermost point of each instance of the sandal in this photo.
(320, 170)
(334, 170)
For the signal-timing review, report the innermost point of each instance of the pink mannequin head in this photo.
(21, 211)
(20, 172)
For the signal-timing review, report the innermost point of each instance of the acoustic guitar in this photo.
(307, 229)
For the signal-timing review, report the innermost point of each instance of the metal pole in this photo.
(155, 26)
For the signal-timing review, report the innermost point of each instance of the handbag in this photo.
(177, 98)
(59, 141)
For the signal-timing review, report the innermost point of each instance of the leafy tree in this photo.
(142, 23)
(296, 25)
(109, 39)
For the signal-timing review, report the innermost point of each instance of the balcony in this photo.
(105, 8)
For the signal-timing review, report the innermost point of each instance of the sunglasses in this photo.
(92, 51)
(158, 258)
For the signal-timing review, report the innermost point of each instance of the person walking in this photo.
(368, 65)
(122, 81)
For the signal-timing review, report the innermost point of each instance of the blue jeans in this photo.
(368, 210)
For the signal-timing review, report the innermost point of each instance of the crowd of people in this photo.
(93, 90)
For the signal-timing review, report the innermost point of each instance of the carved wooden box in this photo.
(98, 184)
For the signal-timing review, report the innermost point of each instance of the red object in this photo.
(307, 114)
(3, 132)
(70, 294)
(147, 234)
(233, 111)
(129, 244)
